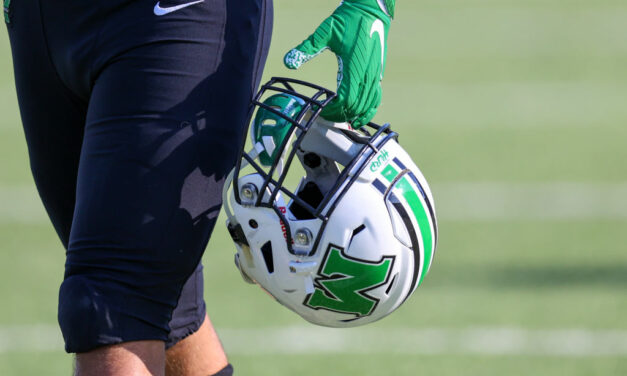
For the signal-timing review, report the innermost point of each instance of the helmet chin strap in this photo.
(327, 139)
(254, 153)
(329, 124)
(225, 195)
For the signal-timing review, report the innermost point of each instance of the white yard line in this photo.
(430, 341)
(409, 341)
(461, 201)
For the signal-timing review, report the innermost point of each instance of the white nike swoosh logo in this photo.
(159, 11)
(377, 27)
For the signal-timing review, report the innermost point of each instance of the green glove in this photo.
(356, 32)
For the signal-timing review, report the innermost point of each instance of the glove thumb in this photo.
(311, 47)
(297, 57)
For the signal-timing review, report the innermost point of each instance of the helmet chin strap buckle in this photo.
(309, 285)
(305, 269)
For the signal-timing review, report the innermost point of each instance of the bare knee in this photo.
(140, 358)
(199, 354)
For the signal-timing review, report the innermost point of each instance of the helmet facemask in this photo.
(327, 152)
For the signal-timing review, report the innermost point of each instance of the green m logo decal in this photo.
(343, 283)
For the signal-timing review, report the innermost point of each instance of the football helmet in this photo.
(357, 233)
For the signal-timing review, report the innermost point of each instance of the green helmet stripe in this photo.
(423, 222)
(420, 213)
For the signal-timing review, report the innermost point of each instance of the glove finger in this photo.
(366, 97)
(335, 111)
(364, 119)
(339, 110)
(360, 84)
(370, 102)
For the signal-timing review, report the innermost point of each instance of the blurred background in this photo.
(516, 111)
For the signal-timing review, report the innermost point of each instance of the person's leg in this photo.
(165, 121)
(193, 346)
(58, 133)
(53, 117)
(143, 358)
(198, 354)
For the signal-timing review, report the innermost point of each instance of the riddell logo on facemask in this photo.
(283, 210)
(379, 161)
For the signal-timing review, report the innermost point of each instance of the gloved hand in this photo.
(356, 32)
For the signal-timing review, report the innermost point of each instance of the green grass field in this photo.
(516, 112)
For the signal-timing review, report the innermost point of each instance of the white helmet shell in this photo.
(352, 242)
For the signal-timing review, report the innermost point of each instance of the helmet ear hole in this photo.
(266, 251)
(237, 234)
(312, 195)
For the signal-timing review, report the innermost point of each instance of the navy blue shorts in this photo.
(133, 118)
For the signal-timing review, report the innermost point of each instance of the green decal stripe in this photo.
(389, 173)
(420, 214)
(423, 222)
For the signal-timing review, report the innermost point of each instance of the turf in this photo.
(523, 91)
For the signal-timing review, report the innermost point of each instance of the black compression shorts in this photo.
(133, 112)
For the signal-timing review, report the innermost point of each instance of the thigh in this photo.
(52, 115)
(163, 128)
